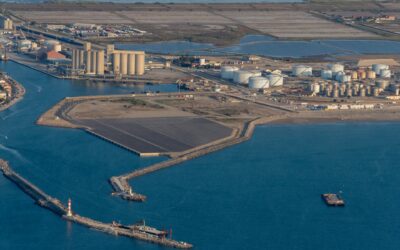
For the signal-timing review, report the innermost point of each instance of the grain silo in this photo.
(124, 63)
(93, 62)
(100, 62)
(116, 63)
(139, 63)
(131, 64)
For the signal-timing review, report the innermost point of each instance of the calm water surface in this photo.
(267, 46)
(262, 194)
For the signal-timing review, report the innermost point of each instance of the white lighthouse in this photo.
(69, 212)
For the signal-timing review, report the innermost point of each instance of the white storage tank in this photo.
(275, 80)
(335, 68)
(301, 70)
(385, 73)
(258, 82)
(342, 77)
(256, 73)
(242, 76)
(378, 67)
(383, 84)
(326, 74)
(227, 72)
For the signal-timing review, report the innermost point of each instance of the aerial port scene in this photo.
(200, 124)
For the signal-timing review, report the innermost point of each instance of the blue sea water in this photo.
(261, 194)
(267, 46)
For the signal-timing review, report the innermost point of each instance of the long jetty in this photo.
(121, 185)
(57, 207)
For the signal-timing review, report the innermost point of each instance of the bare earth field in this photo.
(224, 23)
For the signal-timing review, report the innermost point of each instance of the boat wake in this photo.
(13, 152)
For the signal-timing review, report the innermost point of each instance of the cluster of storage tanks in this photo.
(338, 73)
(354, 89)
(253, 78)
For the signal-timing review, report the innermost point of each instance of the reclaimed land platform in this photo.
(161, 135)
(54, 205)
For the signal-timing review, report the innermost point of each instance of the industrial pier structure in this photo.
(124, 63)
(141, 232)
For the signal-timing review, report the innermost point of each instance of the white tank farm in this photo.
(227, 72)
(301, 70)
(275, 80)
(385, 73)
(378, 67)
(258, 82)
(242, 76)
(326, 74)
(335, 68)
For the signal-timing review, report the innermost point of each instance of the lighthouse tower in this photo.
(69, 212)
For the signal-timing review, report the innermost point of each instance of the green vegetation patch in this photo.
(137, 102)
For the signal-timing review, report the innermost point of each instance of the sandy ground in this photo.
(278, 23)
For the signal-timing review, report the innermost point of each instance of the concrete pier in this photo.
(54, 205)
(124, 190)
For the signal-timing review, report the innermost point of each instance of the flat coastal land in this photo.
(220, 24)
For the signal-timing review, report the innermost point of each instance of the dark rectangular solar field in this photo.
(158, 135)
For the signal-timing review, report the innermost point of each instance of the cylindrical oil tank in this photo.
(227, 72)
(375, 91)
(242, 76)
(336, 67)
(378, 67)
(131, 64)
(354, 75)
(256, 72)
(100, 62)
(326, 74)
(385, 73)
(343, 78)
(371, 74)
(301, 70)
(116, 63)
(258, 82)
(124, 63)
(275, 80)
(139, 63)
(362, 74)
(383, 84)
(362, 92)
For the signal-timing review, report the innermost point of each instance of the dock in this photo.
(56, 206)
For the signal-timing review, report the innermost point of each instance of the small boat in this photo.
(333, 200)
